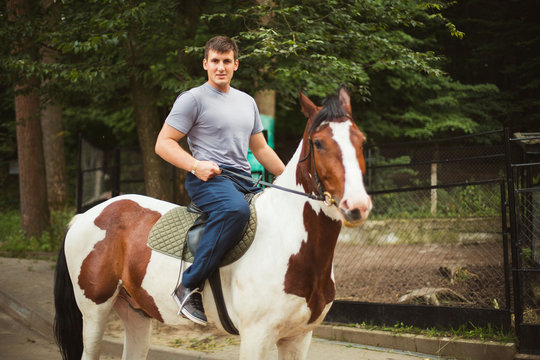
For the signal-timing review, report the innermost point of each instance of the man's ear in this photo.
(204, 64)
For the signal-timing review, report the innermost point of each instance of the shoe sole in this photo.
(195, 319)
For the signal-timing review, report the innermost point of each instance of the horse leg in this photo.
(94, 321)
(294, 348)
(137, 329)
(255, 344)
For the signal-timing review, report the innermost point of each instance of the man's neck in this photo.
(223, 90)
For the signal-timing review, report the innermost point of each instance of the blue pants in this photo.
(228, 213)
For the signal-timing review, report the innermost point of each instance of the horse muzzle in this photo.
(355, 213)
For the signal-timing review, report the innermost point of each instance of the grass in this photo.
(468, 332)
(14, 243)
(206, 344)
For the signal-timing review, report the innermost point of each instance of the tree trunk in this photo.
(32, 184)
(51, 125)
(53, 149)
(266, 102)
(157, 173)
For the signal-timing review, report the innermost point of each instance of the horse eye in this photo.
(318, 144)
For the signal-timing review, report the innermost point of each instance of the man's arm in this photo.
(265, 154)
(167, 147)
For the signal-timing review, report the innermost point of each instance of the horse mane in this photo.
(331, 111)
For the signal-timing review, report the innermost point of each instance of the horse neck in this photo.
(310, 254)
(321, 222)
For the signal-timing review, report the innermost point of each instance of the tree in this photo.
(51, 123)
(501, 47)
(384, 51)
(33, 187)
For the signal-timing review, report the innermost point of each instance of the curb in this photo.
(446, 347)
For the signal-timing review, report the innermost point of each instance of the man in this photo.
(221, 123)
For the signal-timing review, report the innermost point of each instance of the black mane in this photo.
(332, 110)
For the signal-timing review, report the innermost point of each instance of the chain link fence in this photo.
(436, 234)
(529, 246)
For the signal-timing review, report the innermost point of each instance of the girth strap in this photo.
(226, 322)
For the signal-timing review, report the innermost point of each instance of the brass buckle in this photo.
(328, 199)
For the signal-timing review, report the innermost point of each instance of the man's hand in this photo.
(206, 170)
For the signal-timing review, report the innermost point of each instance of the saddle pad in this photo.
(168, 236)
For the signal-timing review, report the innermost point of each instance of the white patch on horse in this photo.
(354, 189)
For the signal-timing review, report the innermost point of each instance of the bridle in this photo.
(323, 195)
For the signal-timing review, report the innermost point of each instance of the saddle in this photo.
(178, 232)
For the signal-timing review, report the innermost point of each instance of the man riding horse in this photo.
(221, 123)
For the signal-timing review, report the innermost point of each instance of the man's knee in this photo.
(239, 211)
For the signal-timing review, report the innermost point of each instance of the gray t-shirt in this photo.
(218, 125)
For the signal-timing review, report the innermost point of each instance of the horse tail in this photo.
(68, 322)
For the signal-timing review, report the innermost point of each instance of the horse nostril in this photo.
(355, 214)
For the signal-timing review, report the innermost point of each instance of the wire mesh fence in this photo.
(529, 245)
(435, 235)
(407, 255)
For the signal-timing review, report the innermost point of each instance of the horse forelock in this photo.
(331, 111)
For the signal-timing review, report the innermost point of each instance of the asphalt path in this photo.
(18, 342)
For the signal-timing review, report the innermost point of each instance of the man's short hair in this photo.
(221, 44)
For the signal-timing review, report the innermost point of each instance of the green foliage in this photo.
(13, 242)
(459, 202)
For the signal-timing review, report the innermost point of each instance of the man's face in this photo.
(220, 68)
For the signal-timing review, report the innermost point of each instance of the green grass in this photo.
(469, 332)
(14, 243)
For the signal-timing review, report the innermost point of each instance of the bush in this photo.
(14, 243)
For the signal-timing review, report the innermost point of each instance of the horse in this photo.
(276, 293)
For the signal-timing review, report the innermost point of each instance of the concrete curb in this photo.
(446, 347)
(32, 318)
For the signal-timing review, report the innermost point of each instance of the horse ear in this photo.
(308, 107)
(345, 99)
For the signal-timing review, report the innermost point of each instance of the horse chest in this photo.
(309, 271)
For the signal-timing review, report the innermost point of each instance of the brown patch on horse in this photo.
(358, 138)
(121, 255)
(309, 272)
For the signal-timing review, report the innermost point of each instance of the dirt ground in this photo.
(384, 273)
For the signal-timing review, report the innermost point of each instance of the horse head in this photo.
(331, 160)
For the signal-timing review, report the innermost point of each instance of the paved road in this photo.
(17, 342)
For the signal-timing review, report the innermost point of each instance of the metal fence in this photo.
(523, 168)
(437, 234)
(403, 254)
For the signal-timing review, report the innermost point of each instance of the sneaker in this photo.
(190, 303)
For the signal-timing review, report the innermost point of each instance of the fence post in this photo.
(434, 182)
(518, 309)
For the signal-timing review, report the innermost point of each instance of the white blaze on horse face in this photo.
(355, 197)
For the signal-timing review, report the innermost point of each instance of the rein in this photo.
(325, 197)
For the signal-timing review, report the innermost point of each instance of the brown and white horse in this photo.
(276, 294)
